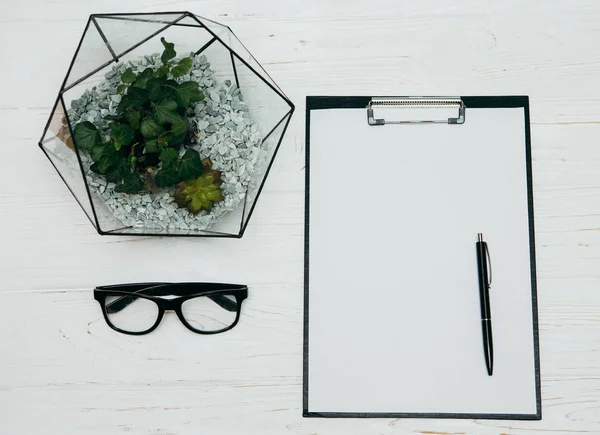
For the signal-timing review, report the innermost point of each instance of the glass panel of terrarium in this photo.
(219, 64)
(160, 18)
(92, 54)
(187, 40)
(240, 49)
(264, 105)
(125, 32)
(219, 30)
(264, 160)
(139, 231)
(226, 35)
(230, 221)
(58, 146)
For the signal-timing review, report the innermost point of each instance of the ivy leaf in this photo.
(161, 88)
(169, 52)
(94, 168)
(132, 116)
(104, 155)
(167, 177)
(179, 127)
(167, 139)
(105, 161)
(167, 90)
(122, 134)
(86, 135)
(190, 165)
(128, 76)
(182, 67)
(150, 129)
(134, 99)
(142, 79)
(176, 134)
(165, 112)
(162, 71)
(118, 172)
(121, 88)
(152, 146)
(153, 85)
(179, 130)
(168, 157)
(188, 92)
(132, 183)
(96, 152)
(103, 164)
(169, 173)
(183, 94)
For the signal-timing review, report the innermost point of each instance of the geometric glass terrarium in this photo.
(165, 125)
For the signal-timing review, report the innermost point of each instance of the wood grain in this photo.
(64, 371)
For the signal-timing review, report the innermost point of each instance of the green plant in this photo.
(141, 147)
(200, 193)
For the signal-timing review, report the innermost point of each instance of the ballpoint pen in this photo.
(485, 280)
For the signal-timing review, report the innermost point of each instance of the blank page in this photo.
(394, 323)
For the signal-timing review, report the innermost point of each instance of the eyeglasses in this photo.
(204, 308)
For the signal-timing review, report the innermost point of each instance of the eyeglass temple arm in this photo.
(224, 302)
(123, 301)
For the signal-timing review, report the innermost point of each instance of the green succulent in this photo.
(202, 192)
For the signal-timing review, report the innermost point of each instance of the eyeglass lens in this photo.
(211, 313)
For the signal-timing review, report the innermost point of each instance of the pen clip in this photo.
(489, 262)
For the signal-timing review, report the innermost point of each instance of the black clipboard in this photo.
(470, 102)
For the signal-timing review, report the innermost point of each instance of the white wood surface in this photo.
(63, 371)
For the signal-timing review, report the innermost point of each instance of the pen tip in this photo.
(479, 237)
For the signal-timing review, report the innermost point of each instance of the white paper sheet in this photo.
(394, 316)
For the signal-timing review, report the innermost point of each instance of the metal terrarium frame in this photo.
(239, 58)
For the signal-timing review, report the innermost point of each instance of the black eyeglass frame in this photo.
(185, 291)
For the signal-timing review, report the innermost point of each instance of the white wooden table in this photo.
(63, 371)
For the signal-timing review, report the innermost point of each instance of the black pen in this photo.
(485, 281)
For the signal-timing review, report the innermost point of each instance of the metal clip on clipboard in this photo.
(417, 103)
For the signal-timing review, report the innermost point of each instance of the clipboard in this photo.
(394, 201)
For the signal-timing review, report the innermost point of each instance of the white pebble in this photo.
(202, 124)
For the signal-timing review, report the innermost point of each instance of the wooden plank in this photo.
(64, 371)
